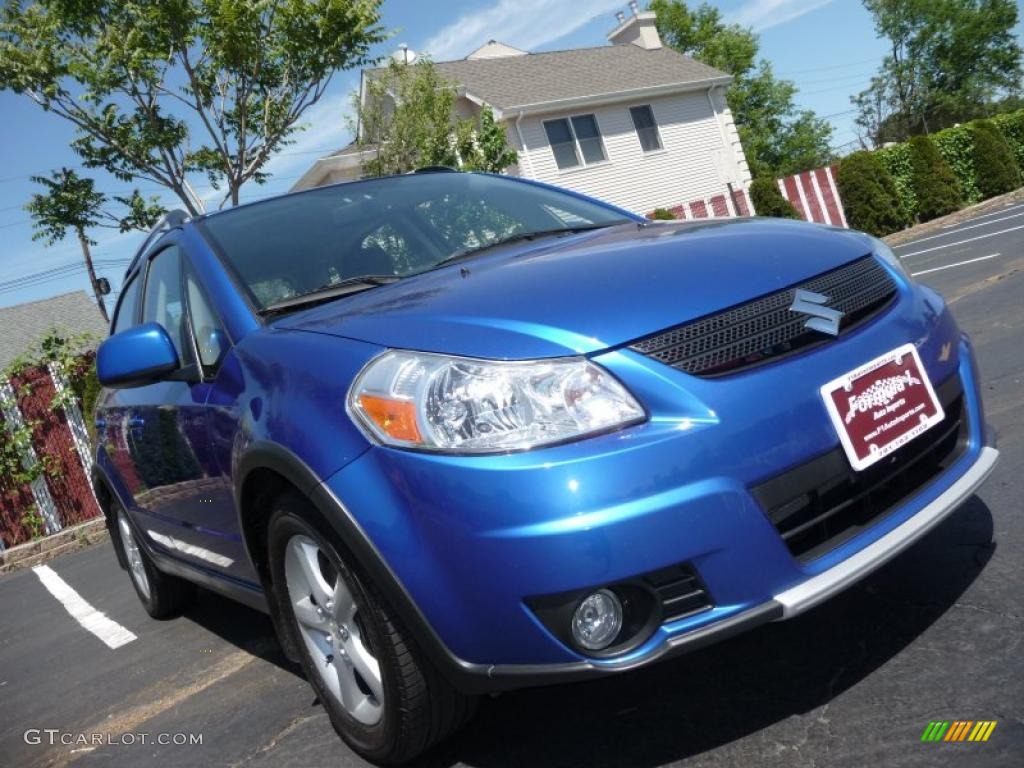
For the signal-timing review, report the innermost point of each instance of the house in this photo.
(25, 324)
(634, 123)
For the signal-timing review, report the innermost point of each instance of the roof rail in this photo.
(436, 169)
(169, 221)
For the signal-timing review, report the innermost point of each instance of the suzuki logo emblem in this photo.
(824, 319)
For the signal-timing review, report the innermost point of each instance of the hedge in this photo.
(1011, 125)
(869, 195)
(995, 166)
(896, 159)
(768, 200)
(936, 189)
(956, 145)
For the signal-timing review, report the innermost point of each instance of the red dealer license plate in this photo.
(882, 406)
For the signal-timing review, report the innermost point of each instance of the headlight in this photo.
(461, 405)
(886, 254)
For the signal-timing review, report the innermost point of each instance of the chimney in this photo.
(639, 29)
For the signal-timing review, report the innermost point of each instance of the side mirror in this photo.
(136, 357)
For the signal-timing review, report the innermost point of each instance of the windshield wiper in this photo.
(329, 291)
(524, 236)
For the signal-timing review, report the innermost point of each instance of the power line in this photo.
(828, 68)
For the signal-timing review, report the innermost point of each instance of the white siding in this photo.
(695, 162)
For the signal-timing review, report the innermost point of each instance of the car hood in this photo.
(584, 293)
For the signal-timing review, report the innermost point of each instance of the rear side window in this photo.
(129, 303)
(163, 301)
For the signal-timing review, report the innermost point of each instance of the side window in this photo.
(162, 300)
(211, 340)
(126, 313)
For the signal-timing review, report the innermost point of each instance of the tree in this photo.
(950, 61)
(768, 200)
(405, 116)
(162, 90)
(869, 195)
(777, 137)
(935, 186)
(995, 166)
(486, 148)
(72, 202)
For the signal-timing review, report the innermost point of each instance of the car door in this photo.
(166, 436)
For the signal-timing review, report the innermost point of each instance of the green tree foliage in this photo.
(662, 214)
(778, 138)
(995, 166)
(768, 200)
(161, 90)
(869, 195)
(486, 148)
(405, 116)
(936, 189)
(71, 202)
(949, 61)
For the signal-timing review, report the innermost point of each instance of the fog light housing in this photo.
(597, 620)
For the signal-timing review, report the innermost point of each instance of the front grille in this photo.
(765, 329)
(823, 503)
(679, 590)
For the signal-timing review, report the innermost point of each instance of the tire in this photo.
(162, 595)
(408, 706)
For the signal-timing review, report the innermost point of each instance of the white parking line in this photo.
(969, 226)
(107, 630)
(961, 242)
(950, 266)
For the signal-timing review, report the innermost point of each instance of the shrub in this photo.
(1012, 127)
(956, 145)
(995, 166)
(869, 195)
(896, 159)
(768, 200)
(661, 214)
(935, 187)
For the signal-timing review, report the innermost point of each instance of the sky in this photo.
(828, 48)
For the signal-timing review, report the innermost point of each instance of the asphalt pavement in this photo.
(934, 635)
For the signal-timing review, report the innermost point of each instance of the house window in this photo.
(574, 138)
(646, 128)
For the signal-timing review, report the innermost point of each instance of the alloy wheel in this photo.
(131, 552)
(329, 623)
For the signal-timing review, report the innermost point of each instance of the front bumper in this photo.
(471, 540)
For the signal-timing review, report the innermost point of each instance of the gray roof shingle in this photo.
(535, 78)
(24, 324)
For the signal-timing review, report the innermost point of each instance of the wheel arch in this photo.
(268, 469)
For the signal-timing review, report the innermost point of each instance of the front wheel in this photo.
(383, 697)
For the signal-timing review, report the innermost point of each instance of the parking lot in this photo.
(934, 635)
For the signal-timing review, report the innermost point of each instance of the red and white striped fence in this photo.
(61, 497)
(812, 193)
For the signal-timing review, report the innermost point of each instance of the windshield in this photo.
(393, 226)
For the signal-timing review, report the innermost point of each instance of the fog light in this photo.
(597, 621)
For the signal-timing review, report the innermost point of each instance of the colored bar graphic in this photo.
(958, 730)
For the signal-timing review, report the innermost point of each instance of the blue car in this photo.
(461, 433)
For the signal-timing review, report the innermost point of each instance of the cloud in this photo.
(765, 14)
(525, 24)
